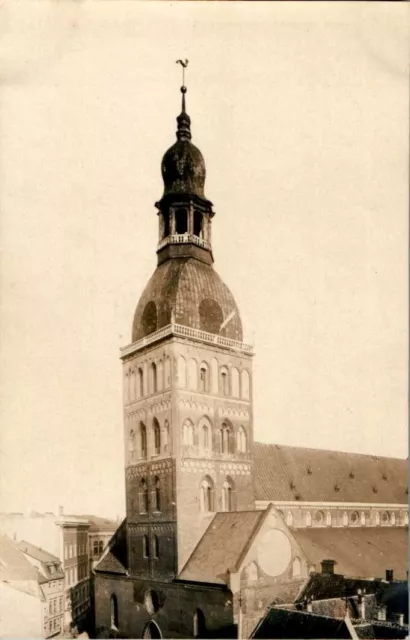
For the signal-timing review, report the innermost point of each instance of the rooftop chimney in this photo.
(328, 566)
(389, 575)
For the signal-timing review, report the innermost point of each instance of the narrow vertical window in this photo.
(140, 383)
(157, 437)
(156, 547)
(154, 380)
(143, 438)
(143, 496)
(145, 547)
(157, 494)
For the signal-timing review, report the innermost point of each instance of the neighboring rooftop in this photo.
(365, 552)
(14, 566)
(221, 547)
(287, 623)
(100, 524)
(37, 552)
(114, 558)
(285, 473)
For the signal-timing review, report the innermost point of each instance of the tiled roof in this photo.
(14, 566)
(37, 552)
(287, 623)
(325, 585)
(221, 546)
(100, 524)
(364, 552)
(114, 560)
(294, 473)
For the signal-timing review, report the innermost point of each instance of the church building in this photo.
(218, 527)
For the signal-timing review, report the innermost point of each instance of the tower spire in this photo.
(183, 120)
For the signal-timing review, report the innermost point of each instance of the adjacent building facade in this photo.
(218, 527)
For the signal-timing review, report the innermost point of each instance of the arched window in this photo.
(160, 376)
(377, 518)
(308, 519)
(225, 438)
(181, 372)
(245, 386)
(354, 517)
(207, 495)
(329, 519)
(165, 436)
(319, 518)
(132, 385)
(228, 495)
(385, 517)
(345, 519)
(131, 444)
(143, 440)
(235, 382)
(154, 381)
(192, 374)
(296, 567)
(167, 373)
(289, 519)
(204, 378)
(224, 381)
(188, 433)
(198, 223)
(143, 496)
(157, 494)
(156, 547)
(214, 375)
(181, 221)
(242, 445)
(152, 631)
(157, 437)
(145, 547)
(199, 624)
(114, 612)
(140, 382)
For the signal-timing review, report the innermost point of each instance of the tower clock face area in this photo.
(274, 552)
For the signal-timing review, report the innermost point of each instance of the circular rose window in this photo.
(274, 552)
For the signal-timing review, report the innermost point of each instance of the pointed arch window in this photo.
(165, 438)
(157, 437)
(228, 490)
(154, 379)
(226, 439)
(114, 612)
(204, 378)
(157, 494)
(199, 624)
(156, 547)
(131, 444)
(140, 382)
(224, 381)
(145, 546)
(296, 567)
(235, 382)
(143, 496)
(188, 433)
(143, 440)
(207, 495)
(242, 440)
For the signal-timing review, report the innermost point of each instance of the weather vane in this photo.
(184, 64)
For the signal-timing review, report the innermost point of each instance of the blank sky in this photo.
(301, 112)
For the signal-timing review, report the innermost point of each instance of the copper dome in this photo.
(192, 294)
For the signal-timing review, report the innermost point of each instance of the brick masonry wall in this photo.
(175, 616)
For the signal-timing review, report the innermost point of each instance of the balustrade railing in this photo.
(184, 238)
(187, 332)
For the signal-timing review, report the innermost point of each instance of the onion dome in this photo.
(189, 292)
(183, 165)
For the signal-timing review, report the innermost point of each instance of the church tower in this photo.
(187, 382)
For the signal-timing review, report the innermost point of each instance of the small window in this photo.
(156, 547)
(145, 547)
(143, 496)
(157, 494)
(143, 440)
(242, 446)
(199, 624)
(114, 612)
(188, 433)
(206, 495)
(157, 437)
(224, 383)
(204, 378)
(95, 547)
(205, 436)
(296, 567)
(227, 495)
(154, 379)
(140, 377)
(100, 546)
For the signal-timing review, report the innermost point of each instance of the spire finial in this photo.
(184, 121)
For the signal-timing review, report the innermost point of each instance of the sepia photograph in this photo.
(204, 319)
